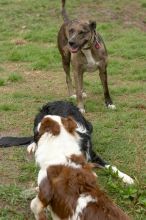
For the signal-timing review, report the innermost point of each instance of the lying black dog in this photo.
(84, 129)
(64, 109)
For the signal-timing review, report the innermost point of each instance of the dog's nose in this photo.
(71, 43)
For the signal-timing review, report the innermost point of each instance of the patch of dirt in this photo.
(131, 14)
(19, 41)
(7, 166)
(134, 14)
(140, 107)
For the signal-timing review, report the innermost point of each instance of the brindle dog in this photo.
(80, 44)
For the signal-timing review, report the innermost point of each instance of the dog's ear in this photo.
(49, 125)
(92, 25)
(69, 124)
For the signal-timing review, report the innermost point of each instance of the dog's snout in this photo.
(71, 43)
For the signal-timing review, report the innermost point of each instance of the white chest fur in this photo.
(92, 64)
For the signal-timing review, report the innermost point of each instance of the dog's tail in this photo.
(63, 12)
(15, 141)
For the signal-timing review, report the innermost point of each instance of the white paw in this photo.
(31, 148)
(94, 174)
(37, 189)
(73, 96)
(111, 106)
(84, 95)
(126, 179)
(82, 110)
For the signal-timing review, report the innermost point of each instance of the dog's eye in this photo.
(81, 32)
(71, 31)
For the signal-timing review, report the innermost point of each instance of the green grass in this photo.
(15, 77)
(31, 74)
(2, 82)
(8, 107)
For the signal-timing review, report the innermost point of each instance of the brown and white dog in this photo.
(67, 184)
(80, 44)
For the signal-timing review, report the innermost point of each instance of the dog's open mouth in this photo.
(73, 49)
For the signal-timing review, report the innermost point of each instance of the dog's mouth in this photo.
(73, 49)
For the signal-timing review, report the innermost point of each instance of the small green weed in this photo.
(15, 77)
(10, 193)
(26, 169)
(8, 107)
(143, 5)
(2, 82)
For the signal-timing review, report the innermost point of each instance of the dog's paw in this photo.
(73, 96)
(111, 106)
(127, 179)
(84, 94)
(37, 189)
(82, 110)
(31, 148)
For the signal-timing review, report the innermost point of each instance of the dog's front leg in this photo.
(31, 148)
(78, 78)
(66, 66)
(37, 208)
(103, 77)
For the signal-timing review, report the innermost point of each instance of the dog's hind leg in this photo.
(37, 208)
(66, 66)
(78, 77)
(103, 77)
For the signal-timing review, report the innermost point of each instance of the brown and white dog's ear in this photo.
(49, 125)
(69, 124)
(92, 25)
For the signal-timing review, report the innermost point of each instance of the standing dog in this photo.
(67, 185)
(80, 44)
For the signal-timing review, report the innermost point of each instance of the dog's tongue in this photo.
(74, 50)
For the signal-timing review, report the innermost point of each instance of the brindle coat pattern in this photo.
(80, 45)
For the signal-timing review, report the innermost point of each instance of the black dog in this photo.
(64, 109)
(85, 129)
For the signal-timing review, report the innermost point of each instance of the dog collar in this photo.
(97, 45)
(95, 41)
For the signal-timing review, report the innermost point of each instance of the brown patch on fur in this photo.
(78, 159)
(64, 185)
(45, 191)
(106, 210)
(69, 124)
(49, 125)
(82, 161)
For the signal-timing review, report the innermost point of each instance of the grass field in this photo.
(31, 74)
